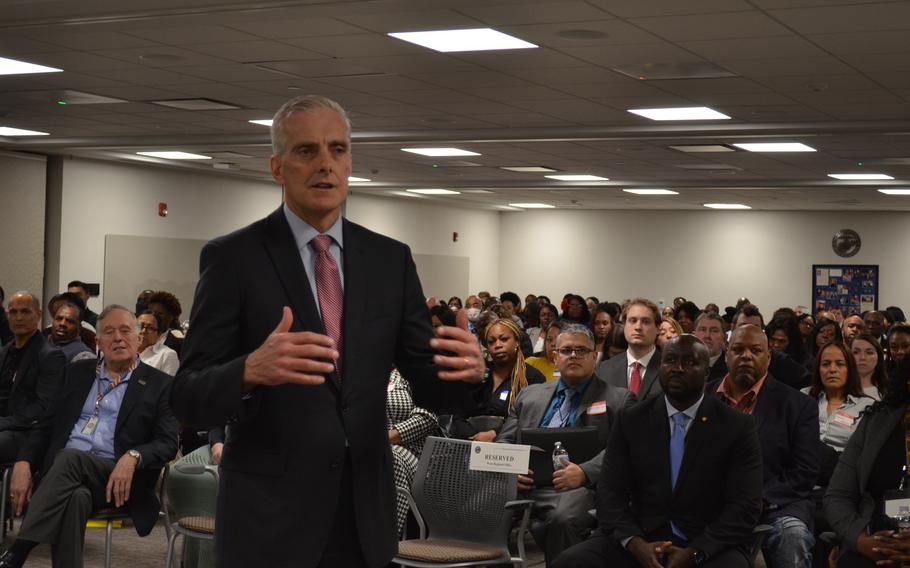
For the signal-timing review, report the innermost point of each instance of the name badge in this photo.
(504, 395)
(844, 419)
(503, 458)
(897, 508)
(90, 426)
(597, 408)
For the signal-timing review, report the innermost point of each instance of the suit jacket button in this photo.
(334, 465)
(345, 408)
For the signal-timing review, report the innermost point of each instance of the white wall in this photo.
(427, 228)
(101, 198)
(22, 195)
(706, 256)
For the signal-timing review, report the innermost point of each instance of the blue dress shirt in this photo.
(557, 401)
(101, 441)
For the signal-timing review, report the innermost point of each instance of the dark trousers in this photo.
(343, 546)
(560, 518)
(852, 559)
(68, 493)
(10, 440)
(601, 550)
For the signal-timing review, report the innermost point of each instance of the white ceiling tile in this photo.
(582, 74)
(251, 51)
(77, 61)
(237, 72)
(521, 59)
(92, 40)
(643, 8)
(780, 67)
(880, 62)
(856, 43)
(379, 84)
(713, 26)
(855, 18)
(294, 27)
(534, 13)
(151, 77)
(819, 83)
(507, 94)
(386, 19)
(753, 48)
(163, 56)
(358, 45)
(632, 53)
(191, 35)
(612, 32)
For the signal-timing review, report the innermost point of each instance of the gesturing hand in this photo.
(300, 357)
(464, 361)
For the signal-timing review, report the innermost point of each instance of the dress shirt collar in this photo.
(630, 359)
(304, 232)
(690, 412)
(747, 401)
(580, 389)
(713, 360)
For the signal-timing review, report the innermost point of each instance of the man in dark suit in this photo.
(787, 423)
(709, 327)
(578, 399)
(782, 366)
(681, 482)
(637, 369)
(104, 443)
(297, 320)
(31, 372)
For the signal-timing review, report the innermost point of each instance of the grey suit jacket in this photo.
(533, 401)
(847, 504)
(614, 371)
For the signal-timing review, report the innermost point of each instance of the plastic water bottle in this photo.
(558, 453)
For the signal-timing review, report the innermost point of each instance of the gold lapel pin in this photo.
(704, 418)
(141, 382)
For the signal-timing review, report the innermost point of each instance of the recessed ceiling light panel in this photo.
(583, 177)
(9, 131)
(14, 67)
(896, 191)
(262, 122)
(196, 104)
(174, 155)
(680, 113)
(355, 179)
(652, 191)
(475, 39)
(702, 148)
(434, 191)
(532, 205)
(860, 177)
(726, 206)
(440, 152)
(528, 169)
(775, 147)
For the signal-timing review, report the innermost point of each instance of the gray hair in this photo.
(577, 329)
(304, 103)
(36, 301)
(709, 316)
(112, 308)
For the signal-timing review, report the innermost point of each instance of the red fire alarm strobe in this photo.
(162, 209)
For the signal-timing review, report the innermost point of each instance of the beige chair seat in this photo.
(442, 551)
(198, 524)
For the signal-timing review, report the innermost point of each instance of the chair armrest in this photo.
(518, 504)
(196, 469)
(412, 505)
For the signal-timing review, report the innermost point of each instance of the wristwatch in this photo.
(700, 557)
(135, 454)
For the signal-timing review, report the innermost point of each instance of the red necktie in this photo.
(328, 288)
(635, 382)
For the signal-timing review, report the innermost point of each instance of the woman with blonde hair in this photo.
(668, 329)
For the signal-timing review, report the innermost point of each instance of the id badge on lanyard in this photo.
(92, 424)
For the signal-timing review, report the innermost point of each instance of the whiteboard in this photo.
(133, 264)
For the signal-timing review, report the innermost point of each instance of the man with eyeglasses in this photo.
(578, 399)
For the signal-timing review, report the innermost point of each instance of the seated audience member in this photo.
(617, 344)
(80, 289)
(841, 402)
(152, 350)
(783, 368)
(893, 315)
(167, 306)
(592, 303)
(826, 331)
(712, 308)
(806, 325)
(6, 335)
(530, 298)
(408, 426)
(85, 332)
(577, 399)
(682, 478)
(507, 375)
(601, 325)
(637, 371)
(709, 327)
(511, 303)
(547, 315)
(142, 301)
(875, 324)
(898, 343)
(441, 315)
(95, 450)
(454, 303)
(784, 337)
(852, 325)
(787, 423)
(31, 372)
(667, 312)
(576, 310)
(686, 313)
(472, 307)
(872, 464)
(669, 328)
(870, 364)
(531, 318)
(541, 299)
(65, 329)
(545, 360)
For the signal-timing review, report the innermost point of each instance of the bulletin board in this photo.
(851, 287)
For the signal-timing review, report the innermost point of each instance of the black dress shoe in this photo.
(10, 560)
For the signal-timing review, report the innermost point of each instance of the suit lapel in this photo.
(651, 372)
(766, 398)
(281, 247)
(661, 425)
(356, 277)
(592, 394)
(535, 409)
(135, 389)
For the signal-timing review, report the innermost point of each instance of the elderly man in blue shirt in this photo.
(102, 445)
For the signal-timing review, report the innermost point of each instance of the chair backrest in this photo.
(190, 494)
(460, 504)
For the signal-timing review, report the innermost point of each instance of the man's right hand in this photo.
(20, 486)
(300, 357)
(526, 482)
(217, 449)
(647, 553)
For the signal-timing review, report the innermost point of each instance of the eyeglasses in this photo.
(147, 327)
(576, 351)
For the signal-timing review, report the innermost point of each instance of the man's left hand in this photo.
(569, 477)
(679, 557)
(121, 479)
(463, 358)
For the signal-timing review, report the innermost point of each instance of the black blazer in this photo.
(286, 445)
(614, 371)
(787, 423)
(38, 380)
(717, 499)
(145, 423)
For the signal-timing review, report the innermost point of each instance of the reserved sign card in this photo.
(503, 458)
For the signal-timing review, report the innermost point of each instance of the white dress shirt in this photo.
(161, 357)
(644, 365)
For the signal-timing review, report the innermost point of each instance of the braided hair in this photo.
(519, 380)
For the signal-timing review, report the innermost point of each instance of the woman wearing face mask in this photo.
(870, 362)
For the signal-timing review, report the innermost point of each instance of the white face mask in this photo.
(473, 314)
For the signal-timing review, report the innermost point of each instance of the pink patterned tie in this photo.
(328, 288)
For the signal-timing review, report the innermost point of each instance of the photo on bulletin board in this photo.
(851, 288)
